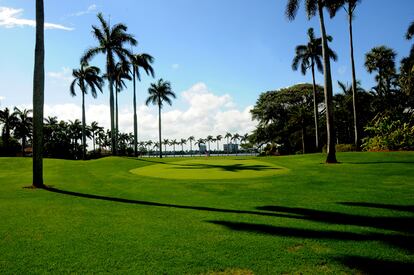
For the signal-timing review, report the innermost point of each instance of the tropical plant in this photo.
(191, 139)
(312, 8)
(86, 77)
(143, 61)
(307, 57)
(218, 139)
(199, 142)
(23, 127)
(209, 139)
(183, 141)
(236, 138)
(112, 41)
(166, 142)
(173, 142)
(159, 93)
(121, 72)
(228, 136)
(9, 121)
(94, 128)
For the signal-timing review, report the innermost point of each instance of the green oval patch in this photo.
(210, 169)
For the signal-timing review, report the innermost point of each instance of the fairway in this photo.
(209, 169)
(295, 216)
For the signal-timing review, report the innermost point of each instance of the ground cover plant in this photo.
(98, 216)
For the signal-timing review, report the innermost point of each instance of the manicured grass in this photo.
(210, 168)
(98, 217)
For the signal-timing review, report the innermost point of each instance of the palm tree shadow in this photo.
(157, 204)
(401, 224)
(375, 266)
(228, 168)
(406, 208)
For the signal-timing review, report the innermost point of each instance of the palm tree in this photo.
(149, 144)
(75, 133)
(166, 141)
(307, 57)
(173, 142)
(24, 125)
(191, 139)
(312, 8)
(199, 142)
(159, 93)
(143, 61)
(236, 137)
(410, 31)
(121, 72)
(86, 77)
(38, 96)
(94, 130)
(382, 60)
(209, 139)
(228, 136)
(182, 142)
(218, 139)
(349, 7)
(111, 42)
(9, 121)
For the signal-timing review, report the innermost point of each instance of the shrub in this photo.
(343, 148)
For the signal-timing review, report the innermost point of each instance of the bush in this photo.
(343, 148)
(386, 133)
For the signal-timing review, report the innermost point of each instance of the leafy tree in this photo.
(312, 8)
(143, 61)
(86, 77)
(112, 41)
(23, 127)
(159, 93)
(9, 121)
(406, 78)
(307, 57)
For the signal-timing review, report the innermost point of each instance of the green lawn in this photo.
(233, 214)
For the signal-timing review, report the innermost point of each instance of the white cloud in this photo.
(10, 18)
(92, 8)
(175, 66)
(2, 98)
(64, 76)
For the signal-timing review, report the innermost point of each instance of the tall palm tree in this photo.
(209, 139)
(173, 142)
(38, 96)
(94, 130)
(382, 60)
(9, 120)
(159, 93)
(112, 42)
(24, 125)
(349, 7)
(199, 142)
(236, 137)
(166, 142)
(312, 8)
(307, 57)
(218, 139)
(86, 77)
(121, 72)
(143, 61)
(228, 136)
(191, 139)
(183, 141)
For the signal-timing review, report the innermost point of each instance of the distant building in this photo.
(202, 148)
(231, 148)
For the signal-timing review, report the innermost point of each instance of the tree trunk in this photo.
(83, 125)
(23, 145)
(135, 118)
(315, 108)
(38, 97)
(303, 139)
(111, 103)
(93, 140)
(116, 117)
(159, 126)
(354, 82)
(331, 155)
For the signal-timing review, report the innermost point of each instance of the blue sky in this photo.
(233, 50)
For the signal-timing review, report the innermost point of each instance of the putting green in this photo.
(210, 169)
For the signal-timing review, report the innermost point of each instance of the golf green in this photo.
(210, 168)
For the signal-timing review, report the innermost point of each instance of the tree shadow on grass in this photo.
(376, 266)
(401, 224)
(381, 162)
(406, 208)
(149, 203)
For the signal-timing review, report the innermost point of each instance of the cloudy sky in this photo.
(218, 55)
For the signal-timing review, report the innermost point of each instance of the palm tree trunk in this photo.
(303, 139)
(159, 126)
(191, 148)
(354, 82)
(331, 156)
(116, 117)
(23, 145)
(135, 118)
(109, 65)
(93, 140)
(83, 125)
(38, 97)
(315, 108)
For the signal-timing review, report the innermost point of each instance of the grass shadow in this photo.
(406, 208)
(376, 266)
(228, 168)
